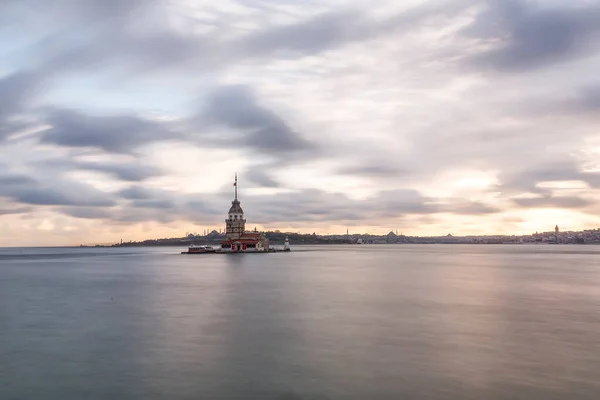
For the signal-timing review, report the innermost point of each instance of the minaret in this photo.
(235, 223)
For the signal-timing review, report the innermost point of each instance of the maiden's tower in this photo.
(237, 239)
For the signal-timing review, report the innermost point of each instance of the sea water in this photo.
(321, 322)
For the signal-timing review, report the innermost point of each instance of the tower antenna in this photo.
(235, 185)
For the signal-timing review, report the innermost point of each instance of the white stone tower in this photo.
(235, 223)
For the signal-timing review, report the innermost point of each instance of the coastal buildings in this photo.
(236, 237)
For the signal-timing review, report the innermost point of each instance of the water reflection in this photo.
(437, 322)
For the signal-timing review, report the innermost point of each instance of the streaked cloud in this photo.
(470, 115)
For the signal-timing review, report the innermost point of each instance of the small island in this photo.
(237, 239)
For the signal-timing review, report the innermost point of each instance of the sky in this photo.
(125, 119)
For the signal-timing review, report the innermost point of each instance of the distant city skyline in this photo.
(129, 119)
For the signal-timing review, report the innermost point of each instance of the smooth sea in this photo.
(481, 322)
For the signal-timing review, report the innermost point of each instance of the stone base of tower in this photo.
(249, 242)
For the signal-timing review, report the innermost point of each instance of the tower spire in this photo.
(235, 185)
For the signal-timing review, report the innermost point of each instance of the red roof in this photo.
(243, 241)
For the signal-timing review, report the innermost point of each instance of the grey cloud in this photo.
(589, 100)
(565, 202)
(373, 170)
(261, 178)
(307, 37)
(139, 215)
(19, 210)
(15, 91)
(302, 206)
(153, 204)
(48, 196)
(139, 53)
(132, 172)
(156, 204)
(574, 103)
(165, 206)
(24, 189)
(470, 208)
(15, 179)
(90, 34)
(118, 134)
(396, 202)
(85, 212)
(135, 193)
(68, 11)
(529, 36)
(135, 171)
(525, 181)
(534, 36)
(258, 128)
(337, 28)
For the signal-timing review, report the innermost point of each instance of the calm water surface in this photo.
(335, 322)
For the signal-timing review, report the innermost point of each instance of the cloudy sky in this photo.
(128, 118)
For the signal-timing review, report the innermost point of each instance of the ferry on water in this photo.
(201, 249)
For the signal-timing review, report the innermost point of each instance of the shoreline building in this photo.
(236, 237)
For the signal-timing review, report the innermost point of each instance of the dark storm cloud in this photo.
(532, 36)
(117, 134)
